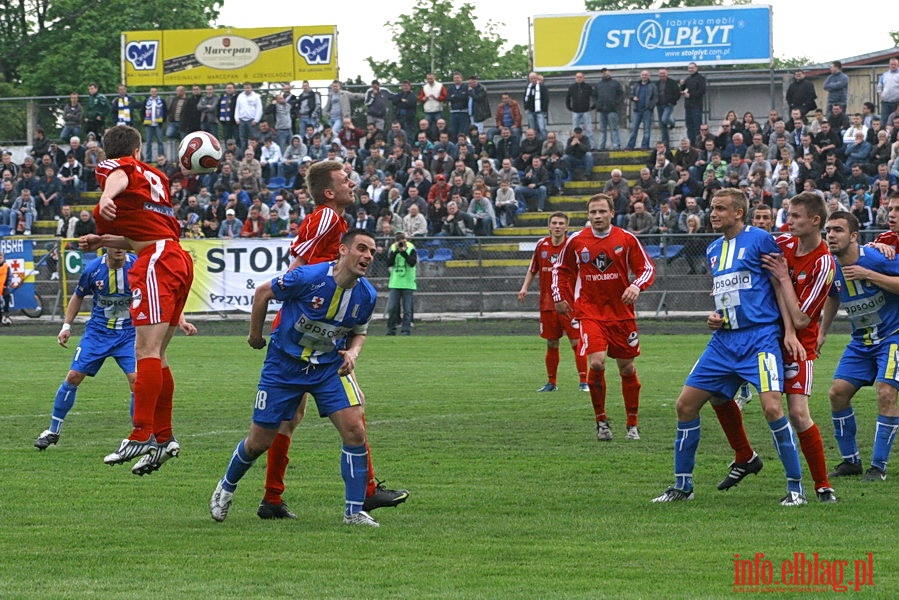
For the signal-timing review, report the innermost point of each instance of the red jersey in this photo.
(890, 238)
(812, 276)
(545, 256)
(144, 209)
(319, 236)
(592, 273)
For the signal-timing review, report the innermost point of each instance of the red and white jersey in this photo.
(812, 276)
(592, 273)
(545, 256)
(319, 236)
(890, 238)
(144, 209)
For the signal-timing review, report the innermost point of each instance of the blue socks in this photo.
(685, 445)
(785, 444)
(62, 404)
(844, 430)
(237, 468)
(354, 470)
(883, 440)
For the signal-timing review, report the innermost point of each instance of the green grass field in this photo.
(512, 496)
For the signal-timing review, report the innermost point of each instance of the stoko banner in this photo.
(653, 38)
(201, 56)
(226, 272)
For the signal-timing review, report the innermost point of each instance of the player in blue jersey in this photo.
(867, 288)
(314, 347)
(745, 345)
(108, 334)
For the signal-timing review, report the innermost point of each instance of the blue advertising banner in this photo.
(653, 38)
(19, 255)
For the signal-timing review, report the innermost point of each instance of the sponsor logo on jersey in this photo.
(791, 370)
(633, 339)
(732, 282)
(602, 261)
(713, 261)
(136, 299)
(100, 285)
(619, 249)
(585, 255)
(544, 254)
(801, 277)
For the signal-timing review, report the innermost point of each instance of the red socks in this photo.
(731, 420)
(597, 383)
(630, 389)
(275, 468)
(147, 388)
(552, 364)
(813, 449)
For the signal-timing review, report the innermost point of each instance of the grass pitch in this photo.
(512, 496)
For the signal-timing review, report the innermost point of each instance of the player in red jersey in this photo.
(805, 272)
(135, 213)
(552, 324)
(317, 241)
(889, 240)
(591, 280)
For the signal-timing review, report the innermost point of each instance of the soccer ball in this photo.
(199, 152)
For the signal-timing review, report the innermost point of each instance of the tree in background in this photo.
(437, 38)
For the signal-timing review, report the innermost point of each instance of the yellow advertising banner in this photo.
(218, 56)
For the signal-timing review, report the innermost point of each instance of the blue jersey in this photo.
(317, 315)
(874, 312)
(111, 293)
(743, 293)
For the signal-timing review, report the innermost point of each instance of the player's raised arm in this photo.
(261, 299)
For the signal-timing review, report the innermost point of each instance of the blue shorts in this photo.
(99, 344)
(732, 357)
(863, 365)
(285, 379)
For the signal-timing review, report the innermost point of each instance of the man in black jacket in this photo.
(608, 95)
(579, 101)
(801, 93)
(669, 94)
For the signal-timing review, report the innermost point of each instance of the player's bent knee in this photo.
(75, 378)
(772, 406)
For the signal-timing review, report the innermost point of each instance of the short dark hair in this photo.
(349, 237)
(851, 220)
(121, 141)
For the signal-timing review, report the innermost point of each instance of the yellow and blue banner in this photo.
(653, 38)
(19, 255)
(219, 56)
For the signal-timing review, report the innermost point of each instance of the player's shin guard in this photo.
(62, 404)
(813, 449)
(146, 393)
(354, 470)
(686, 442)
(237, 468)
(162, 417)
(883, 441)
(275, 468)
(844, 430)
(630, 390)
(552, 364)
(731, 420)
(785, 444)
(597, 382)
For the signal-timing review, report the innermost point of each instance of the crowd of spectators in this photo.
(463, 168)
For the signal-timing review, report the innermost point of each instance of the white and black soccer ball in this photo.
(199, 152)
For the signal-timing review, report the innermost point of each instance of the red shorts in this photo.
(798, 377)
(618, 338)
(160, 282)
(553, 325)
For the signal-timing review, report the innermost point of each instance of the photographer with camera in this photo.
(401, 260)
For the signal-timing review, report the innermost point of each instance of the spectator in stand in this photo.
(609, 96)
(213, 215)
(669, 95)
(579, 102)
(693, 89)
(405, 105)
(801, 93)
(49, 195)
(888, 90)
(376, 102)
(432, 97)
(644, 97)
(640, 221)
(536, 104)
(837, 87)
(478, 107)
(95, 112)
(154, 118)
(507, 146)
(508, 115)
(270, 160)
(174, 114)
(531, 190)
(70, 177)
(506, 206)
(858, 152)
(231, 227)
(275, 226)
(578, 153)
(85, 225)
(72, 118)
(23, 213)
(227, 107)
(415, 224)
(481, 210)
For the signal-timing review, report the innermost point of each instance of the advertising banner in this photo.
(219, 56)
(19, 255)
(653, 38)
(226, 272)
